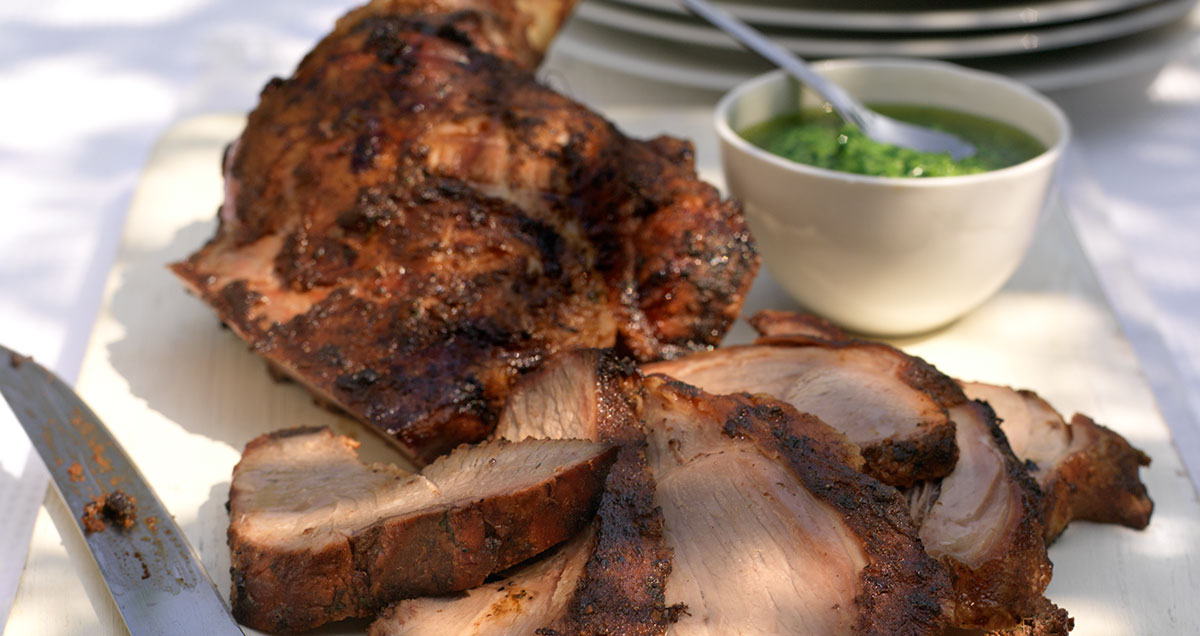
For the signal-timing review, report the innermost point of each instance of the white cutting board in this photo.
(183, 396)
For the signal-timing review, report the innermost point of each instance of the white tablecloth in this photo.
(86, 87)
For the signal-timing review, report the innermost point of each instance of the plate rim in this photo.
(1134, 53)
(997, 44)
(1018, 14)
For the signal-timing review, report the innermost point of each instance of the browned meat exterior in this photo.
(612, 582)
(983, 522)
(518, 604)
(881, 399)
(983, 519)
(317, 536)
(773, 528)
(774, 322)
(1048, 620)
(520, 31)
(412, 221)
(1085, 470)
(594, 395)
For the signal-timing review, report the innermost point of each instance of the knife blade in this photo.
(153, 573)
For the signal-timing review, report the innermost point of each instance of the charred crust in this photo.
(778, 329)
(929, 450)
(622, 589)
(903, 462)
(430, 552)
(1047, 620)
(774, 322)
(366, 147)
(1097, 483)
(384, 250)
(1005, 588)
(902, 590)
(273, 84)
(299, 431)
(925, 377)
(236, 303)
(1013, 466)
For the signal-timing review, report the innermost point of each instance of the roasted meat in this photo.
(773, 528)
(1047, 619)
(520, 603)
(316, 536)
(412, 221)
(884, 401)
(612, 581)
(593, 394)
(775, 322)
(983, 519)
(1085, 470)
(984, 523)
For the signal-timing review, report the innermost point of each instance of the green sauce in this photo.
(820, 138)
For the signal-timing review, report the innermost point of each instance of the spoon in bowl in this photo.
(877, 127)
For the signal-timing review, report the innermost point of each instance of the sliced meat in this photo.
(316, 536)
(773, 528)
(581, 394)
(773, 322)
(1085, 470)
(595, 395)
(412, 221)
(518, 604)
(884, 401)
(779, 532)
(983, 519)
(610, 583)
(983, 522)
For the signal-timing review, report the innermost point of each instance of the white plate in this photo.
(692, 31)
(930, 17)
(720, 70)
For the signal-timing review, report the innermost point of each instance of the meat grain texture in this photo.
(980, 516)
(317, 536)
(881, 399)
(769, 527)
(1085, 470)
(610, 582)
(412, 221)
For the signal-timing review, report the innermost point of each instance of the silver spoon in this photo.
(875, 126)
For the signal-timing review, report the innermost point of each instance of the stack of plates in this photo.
(1048, 44)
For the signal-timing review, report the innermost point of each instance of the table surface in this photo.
(86, 89)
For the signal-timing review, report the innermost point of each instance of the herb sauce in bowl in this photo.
(820, 138)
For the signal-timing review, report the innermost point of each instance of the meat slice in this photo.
(518, 604)
(1085, 470)
(412, 221)
(611, 583)
(774, 530)
(774, 322)
(317, 536)
(884, 401)
(597, 395)
(983, 522)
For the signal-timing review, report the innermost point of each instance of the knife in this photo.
(153, 573)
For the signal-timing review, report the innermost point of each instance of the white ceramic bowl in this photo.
(890, 256)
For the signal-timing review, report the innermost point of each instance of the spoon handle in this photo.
(842, 102)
